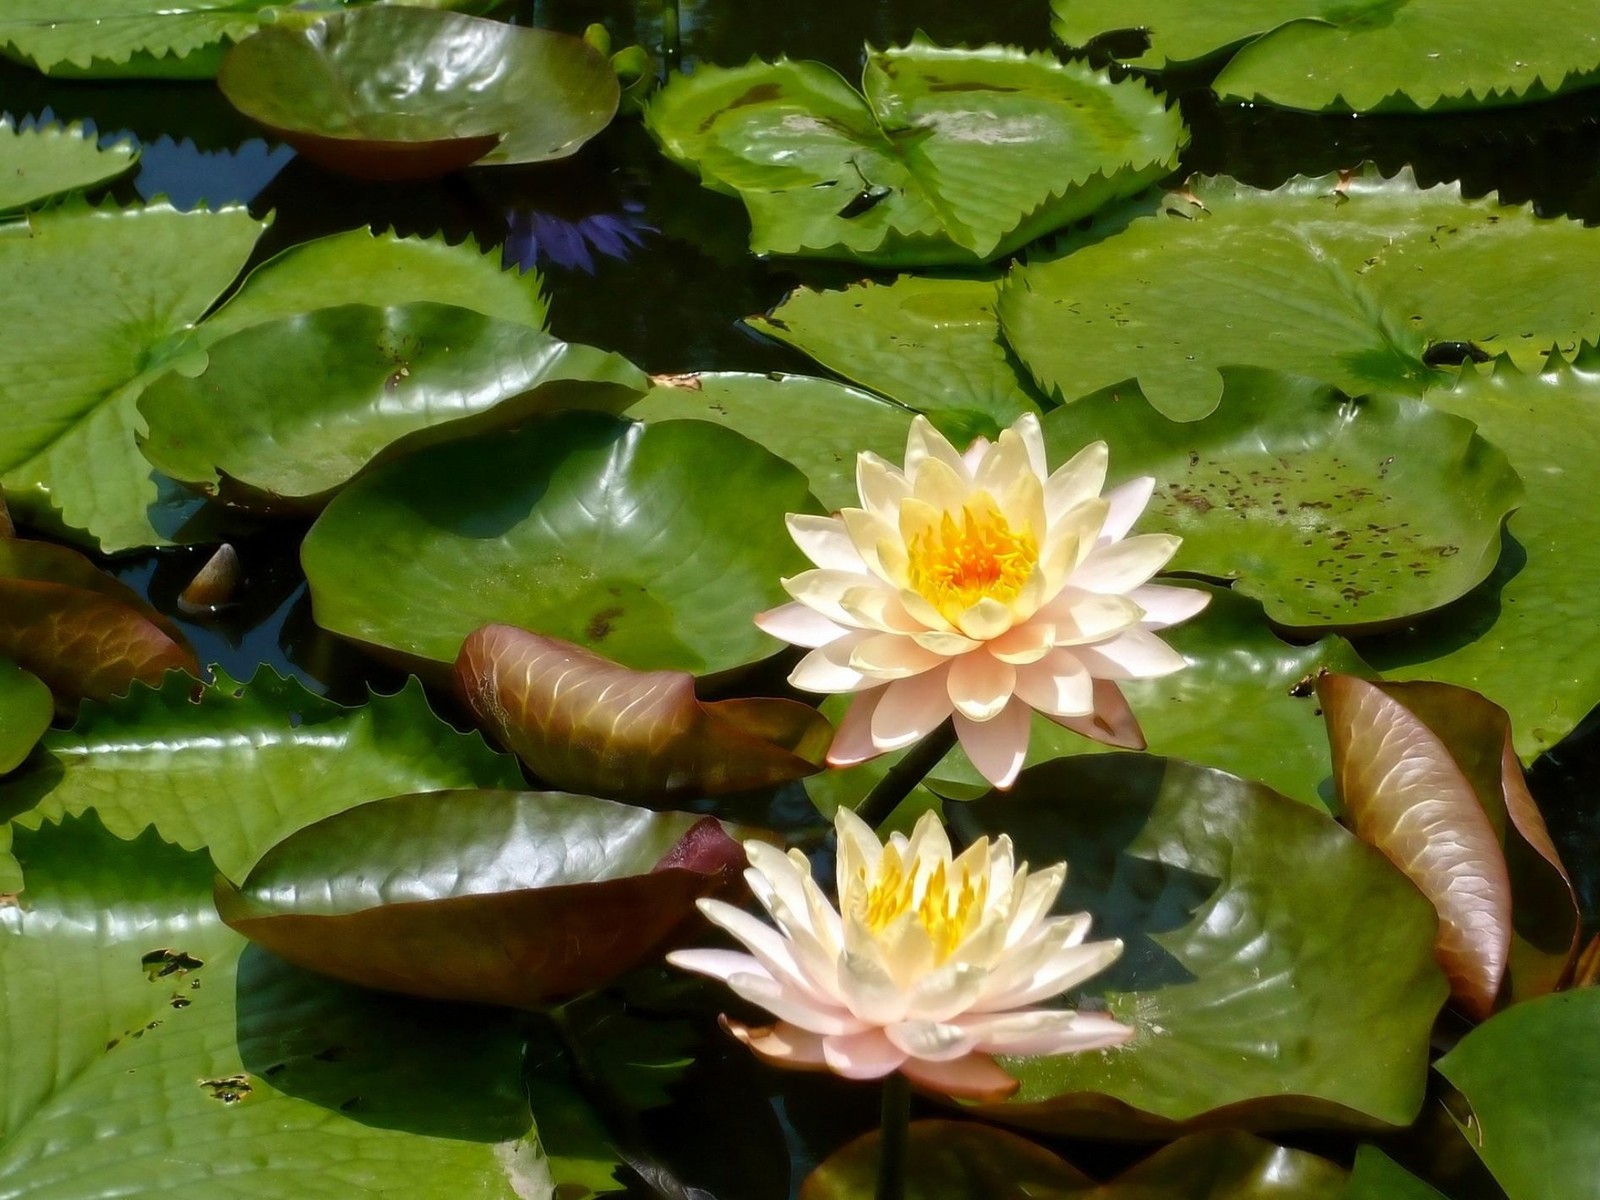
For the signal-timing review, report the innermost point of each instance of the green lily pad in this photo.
(293, 409)
(1376, 1176)
(1278, 971)
(237, 768)
(26, 707)
(511, 898)
(1244, 704)
(817, 425)
(1525, 638)
(651, 544)
(1346, 280)
(1535, 1099)
(1362, 55)
(932, 344)
(949, 156)
(1333, 512)
(49, 160)
(392, 92)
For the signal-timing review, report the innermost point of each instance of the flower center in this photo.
(964, 559)
(947, 912)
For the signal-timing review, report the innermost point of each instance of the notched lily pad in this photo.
(514, 898)
(944, 156)
(291, 410)
(393, 92)
(48, 160)
(1335, 512)
(586, 724)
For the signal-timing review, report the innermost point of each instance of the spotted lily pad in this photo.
(1361, 281)
(653, 544)
(1362, 55)
(1333, 511)
(48, 160)
(395, 92)
(944, 156)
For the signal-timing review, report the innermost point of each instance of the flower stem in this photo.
(892, 1138)
(906, 774)
(670, 48)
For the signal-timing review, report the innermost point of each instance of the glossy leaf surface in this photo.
(513, 898)
(26, 707)
(1278, 971)
(1376, 1176)
(651, 544)
(945, 156)
(49, 160)
(1345, 280)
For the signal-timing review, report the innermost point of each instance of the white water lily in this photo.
(928, 967)
(978, 585)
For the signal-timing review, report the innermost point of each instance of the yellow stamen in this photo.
(947, 914)
(964, 559)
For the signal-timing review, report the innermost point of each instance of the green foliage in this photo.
(50, 160)
(25, 711)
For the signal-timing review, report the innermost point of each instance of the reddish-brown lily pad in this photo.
(587, 724)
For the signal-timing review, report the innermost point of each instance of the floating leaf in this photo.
(1366, 56)
(95, 298)
(652, 544)
(78, 629)
(235, 768)
(1334, 512)
(49, 160)
(585, 724)
(1528, 1075)
(294, 409)
(1376, 1177)
(1278, 971)
(26, 707)
(126, 39)
(1350, 280)
(1427, 773)
(951, 156)
(932, 344)
(394, 92)
(818, 426)
(515, 898)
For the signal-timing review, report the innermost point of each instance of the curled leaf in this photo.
(585, 723)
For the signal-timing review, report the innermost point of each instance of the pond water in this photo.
(640, 259)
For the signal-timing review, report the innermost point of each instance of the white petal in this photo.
(939, 485)
(881, 487)
(1048, 1031)
(910, 710)
(852, 741)
(931, 1041)
(1027, 428)
(1132, 654)
(777, 877)
(986, 619)
(1076, 482)
(1058, 685)
(997, 747)
(926, 444)
(866, 1055)
(1063, 971)
(781, 1044)
(923, 611)
(866, 985)
(947, 644)
(827, 669)
(873, 606)
(947, 991)
(825, 542)
(980, 685)
(822, 590)
(975, 1077)
(1165, 606)
(1081, 617)
(878, 543)
(1024, 643)
(857, 853)
(800, 625)
(974, 454)
(1112, 723)
(793, 1008)
(1006, 463)
(1122, 566)
(1127, 501)
(720, 965)
(886, 656)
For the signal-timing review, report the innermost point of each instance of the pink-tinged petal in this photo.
(1057, 685)
(975, 1077)
(827, 669)
(974, 454)
(931, 1041)
(852, 742)
(1046, 1031)
(1076, 482)
(926, 444)
(997, 748)
(986, 619)
(886, 656)
(946, 644)
(792, 1007)
(1064, 970)
(780, 1044)
(866, 1055)
(721, 965)
(1127, 502)
(1132, 654)
(1080, 617)
(873, 606)
(1112, 722)
(881, 486)
(910, 710)
(1122, 566)
(980, 685)
(800, 625)
(825, 541)
(823, 591)
(1165, 606)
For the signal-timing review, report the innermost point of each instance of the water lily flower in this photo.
(930, 964)
(978, 585)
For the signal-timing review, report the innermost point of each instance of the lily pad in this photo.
(26, 707)
(236, 768)
(1333, 512)
(126, 39)
(1525, 638)
(1350, 280)
(394, 92)
(1278, 971)
(49, 160)
(650, 544)
(1376, 1176)
(293, 409)
(513, 898)
(585, 724)
(1361, 55)
(816, 425)
(1244, 703)
(949, 156)
(932, 344)
(1535, 1099)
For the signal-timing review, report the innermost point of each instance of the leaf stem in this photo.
(892, 1140)
(906, 774)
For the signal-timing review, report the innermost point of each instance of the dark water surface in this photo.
(638, 258)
